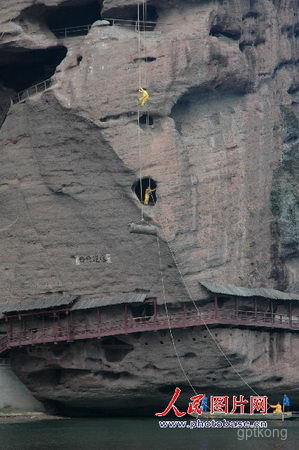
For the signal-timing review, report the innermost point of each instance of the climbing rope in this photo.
(140, 79)
(144, 9)
(138, 114)
(221, 351)
(206, 325)
(140, 85)
(168, 320)
(201, 318)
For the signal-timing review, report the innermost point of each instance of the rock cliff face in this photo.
(285, 203)
(13, 393)
(222, 147)
(97, 377)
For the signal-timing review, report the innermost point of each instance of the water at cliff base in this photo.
(135, 434)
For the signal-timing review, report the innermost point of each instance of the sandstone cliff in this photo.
(140, 378)
(218, 75)
(222, 148)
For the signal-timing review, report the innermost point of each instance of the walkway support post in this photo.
(98, 319)
(126, 318)
(155, 309)
(23, 326)
(9, 329)
(272, 311)
(55, 327)
(215, 306)
(70, 325)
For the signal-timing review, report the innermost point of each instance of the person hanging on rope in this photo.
(144, 97)
(147, 194)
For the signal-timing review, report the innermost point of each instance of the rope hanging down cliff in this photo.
(142, 85)
(143, 99)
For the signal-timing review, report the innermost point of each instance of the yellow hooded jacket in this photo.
(277, 408)
(144, 98)
(148, 191)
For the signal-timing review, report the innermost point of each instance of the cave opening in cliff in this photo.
(130, 13)
(115, 349)
(147, 59)
(140, 187)
(146, 119)
(20, 69)
(144, 311)
(218, 31)
(73, 14)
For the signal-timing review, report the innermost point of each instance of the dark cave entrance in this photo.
(115, 349)
(20, 69)
(73, 14)
(149, 15)
(130, 13)
(146, 120)
(143, 311)
(218, 31)
(139, 189)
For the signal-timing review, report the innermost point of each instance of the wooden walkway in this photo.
(67, 331)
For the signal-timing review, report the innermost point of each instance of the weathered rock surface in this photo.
(63, 162)
(285, 203)
(13, 393)
(223, 80)
(89, 376)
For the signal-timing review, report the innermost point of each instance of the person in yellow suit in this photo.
(147, 194)
(277, 408)
(144, 97)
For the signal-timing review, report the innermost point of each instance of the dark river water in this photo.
(139, 434)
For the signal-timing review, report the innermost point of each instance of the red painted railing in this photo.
(63, 331)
